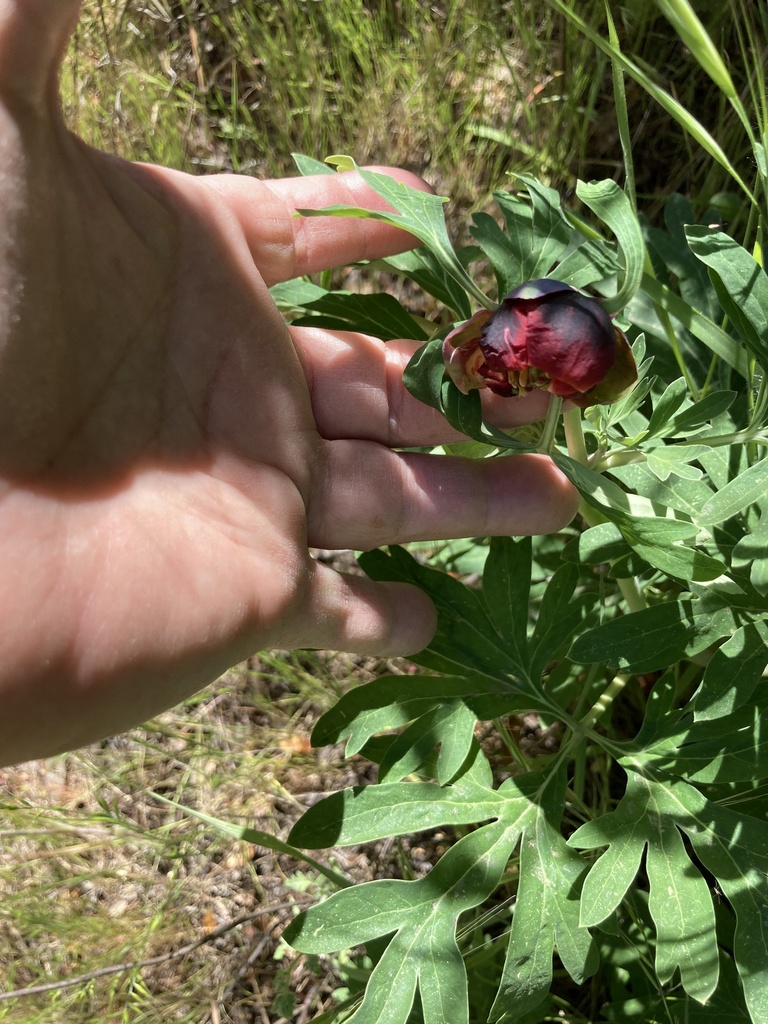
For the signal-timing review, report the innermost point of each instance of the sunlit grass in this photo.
(203, 86)
(464, 93)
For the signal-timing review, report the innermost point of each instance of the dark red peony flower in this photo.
(545, 334)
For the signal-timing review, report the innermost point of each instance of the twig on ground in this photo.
(154, 961)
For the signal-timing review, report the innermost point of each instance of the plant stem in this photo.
(720, 440)
(548, 431)
(512, 748)
(625, 457)
(632, 594)
(577, 449)
(462, 278)
(669, 330)
(574, 436)
(604, 701)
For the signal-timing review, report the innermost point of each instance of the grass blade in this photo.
(684, 118)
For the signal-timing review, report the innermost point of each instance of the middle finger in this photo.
(357, 392)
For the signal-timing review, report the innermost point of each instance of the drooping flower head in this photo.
(547, 335)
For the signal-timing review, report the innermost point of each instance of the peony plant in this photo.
(621, 870)
(587, 728)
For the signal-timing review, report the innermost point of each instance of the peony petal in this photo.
(619, 380)
(504, 339)
(470, 330)
(572, 339)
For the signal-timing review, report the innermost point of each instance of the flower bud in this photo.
(547, 335)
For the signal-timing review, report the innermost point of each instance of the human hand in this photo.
(170, 449)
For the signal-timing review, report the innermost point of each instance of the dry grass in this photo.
(96, 872)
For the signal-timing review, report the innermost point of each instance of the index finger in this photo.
(284, 246)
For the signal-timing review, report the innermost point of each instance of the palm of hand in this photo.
(170, 448)
(160, 445)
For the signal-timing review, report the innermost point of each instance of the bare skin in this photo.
(169, 449)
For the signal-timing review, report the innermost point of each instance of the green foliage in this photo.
(640, 638)
(667, 573)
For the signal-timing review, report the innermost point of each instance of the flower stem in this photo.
(548, 431)
(574, 436)
(632, 594)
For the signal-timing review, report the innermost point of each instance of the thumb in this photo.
(33, 38)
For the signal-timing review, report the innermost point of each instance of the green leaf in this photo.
(741, 284)
(656, 540)
(449, 725)
(667, 405)
(614, 209)
(420, 213)
(726, 749)
(393, 701)
(424, 374)
(307, 165)
(364, 814)
(597, 490)
(625, 833)
(295, 294)
(674, 460)
(733, 673)
(560, 615)
(680, 902)
(597, 545)
(736, 496)
(724, 463)
(654, 637)
(499, 250)
(732, 846)
(506, 591)
(464, 412)
(411, 748)
(456, 738)
(538, 232)
(428, 273)
(677, 260)
(620, 411)
(702, 413)
(758, 575)
(546, 911)
(378, 314)
(586, 261)
(659, 542)
(466, 637)
(370, 722)
(686, 496)
(699, 325)
(752, 550)
(422, 914)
